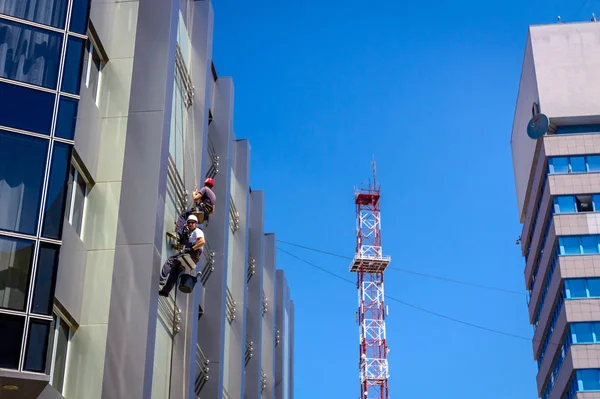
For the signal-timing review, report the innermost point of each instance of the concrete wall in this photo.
(128, 366)
(254, 299)
(268, 328)
(522, 146)
(283, 325)
(560, 69)
(211, 327)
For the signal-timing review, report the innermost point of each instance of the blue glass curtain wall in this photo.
(38, 40)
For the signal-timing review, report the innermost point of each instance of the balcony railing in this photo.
(230, 307)
(209, 267)
(263, 381)
(212, 153)
(249, 350)
(170, 314)
(265, 302)
(251, 268)
(183, 77)
(234, 216)
(201, 370)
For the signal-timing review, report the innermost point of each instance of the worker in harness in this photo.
(204, 201)
(202, 208)
(173, 268)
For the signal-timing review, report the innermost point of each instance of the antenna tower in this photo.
(369, 265)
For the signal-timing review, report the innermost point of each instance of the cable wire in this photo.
(487, 287)
(431, 312)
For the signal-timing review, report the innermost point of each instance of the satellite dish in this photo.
(538, 126)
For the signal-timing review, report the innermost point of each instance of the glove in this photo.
(188, 248)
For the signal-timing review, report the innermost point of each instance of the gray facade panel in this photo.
(254, 295)
(49, 393)
(211, 325)
(268, 341)
(87, 132)
(133, 307)
(292, 328)
(71, 272)
(241, 168)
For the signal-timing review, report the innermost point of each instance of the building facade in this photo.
(558, 193)
(112, 112)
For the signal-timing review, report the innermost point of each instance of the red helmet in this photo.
(209, 181)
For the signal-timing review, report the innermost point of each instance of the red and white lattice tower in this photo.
(369, 264)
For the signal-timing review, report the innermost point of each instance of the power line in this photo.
(410, 304)
(487, 287)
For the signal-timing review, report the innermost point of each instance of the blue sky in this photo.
(429, 88)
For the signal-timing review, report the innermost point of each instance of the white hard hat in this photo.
(192, 217)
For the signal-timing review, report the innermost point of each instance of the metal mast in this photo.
(369, 264)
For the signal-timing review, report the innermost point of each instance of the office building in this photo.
(111, 113)
(558, 191)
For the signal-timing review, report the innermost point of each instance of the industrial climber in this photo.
(202, 208)
(173, 268)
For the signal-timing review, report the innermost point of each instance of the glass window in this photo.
(22, 166)
(29, 54)
(589, 380)
(61, 343)
(67, 118)
(49, 12)
(79, 16)
(589, 244)
(54, 212)
(36, 352)
(593, 162)
(18, 103)
(16, 257)
(578, 164)
(71, 81)
(564, 204)
(559, 164)
(593, 285)
(92, 68)
(596, 201)
(569, 245)
(584, 203)
(582, 333)
(12, 336)
(45, 278)
(575, 288)
(76, 199)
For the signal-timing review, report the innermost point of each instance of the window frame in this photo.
(57, 318)
(71, 200)
(93, 48)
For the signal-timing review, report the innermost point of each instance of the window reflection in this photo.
(79, 16)
(71, 81)
(45, 278)
(22, 165)
(47, 12)
(31, 55)
(16, 257)
(18, 103)
(54, 212)
(12, 335)
(36, 352)
(67, 118)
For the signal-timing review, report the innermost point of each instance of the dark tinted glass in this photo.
(16, 257)
(30, 54)
(57, 191)
(72, 73)
(45, 278)
(60, 358)
(79, 16)
(22, 166)
(67, 117)
(37, 345)
(12, 337)
(17, 103)
(49, 12)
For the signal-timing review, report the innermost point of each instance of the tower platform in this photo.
(370, 264)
